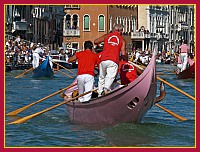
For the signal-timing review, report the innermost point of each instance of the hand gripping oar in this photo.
(24, 73)
(15, 112)
(169, 84)
(24, 119)
(63, 67)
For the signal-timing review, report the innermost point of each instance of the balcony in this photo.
(139, 35)
(71, 32)
(184, 27)
(19, 26)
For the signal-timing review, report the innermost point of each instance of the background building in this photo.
(88, 22)
(159, 27)
(164, 27)
(35, 23)
(182, 26)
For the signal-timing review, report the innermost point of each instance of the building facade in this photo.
(164, 27)
(182, 26)
(88, 22)
(154, 27)
(153, 32)
(35, 23)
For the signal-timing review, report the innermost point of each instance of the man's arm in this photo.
(123, 48)
(72, 59)
(100, 39)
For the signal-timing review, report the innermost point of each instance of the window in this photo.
(120, 20)
(68, 21)
(129, 25)
(75, 21)
(110, 27)
(123, 23)
(101, 26)
(117, 20)
(133, 24)
(86, 22)
(75, 45)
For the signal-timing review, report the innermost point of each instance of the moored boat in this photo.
(126, 104)
(8, 67)
(62, 63)
(61, 60)
(43, 70)
(187, 73)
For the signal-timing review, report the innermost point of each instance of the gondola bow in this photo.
(127, 104)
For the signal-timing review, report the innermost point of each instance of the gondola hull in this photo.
(126, 104)
(188, 73)
(43, 70)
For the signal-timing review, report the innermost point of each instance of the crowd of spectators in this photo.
(19, 51)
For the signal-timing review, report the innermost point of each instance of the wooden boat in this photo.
(188, 73)
(127, 104)
(8, 67)
(43, 70)
(62, 61)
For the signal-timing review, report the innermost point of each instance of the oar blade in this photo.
(171, 113)
(24, 119)
(15, 112)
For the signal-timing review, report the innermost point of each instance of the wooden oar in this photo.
(64, 73)
(24, 119)
(160, 73)
(169, 84)
(63, 67)
(179, 90)
(24, 73)
(15, 112)
(171, 113)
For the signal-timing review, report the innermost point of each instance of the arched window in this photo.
(101, 26)
(75, 21)
(110, 26)
(117, 20)
(120, 20)
(129, 25)
(123, 23)
(133, 24)
(68, 21)
(86, 23)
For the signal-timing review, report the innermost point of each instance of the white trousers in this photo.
(85, 84)
(184, 60)
(36, 60)
(107, 73)
(179, 66)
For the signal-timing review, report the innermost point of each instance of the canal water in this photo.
(54, 129)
